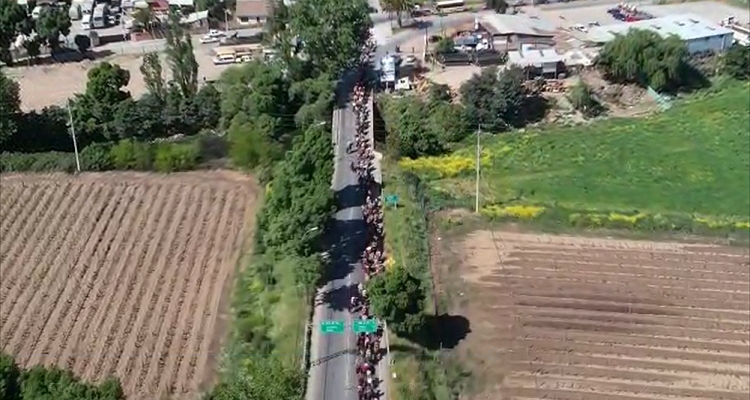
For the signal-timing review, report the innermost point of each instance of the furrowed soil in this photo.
(561, 317)
(122, 274)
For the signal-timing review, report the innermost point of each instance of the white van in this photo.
(225, 58)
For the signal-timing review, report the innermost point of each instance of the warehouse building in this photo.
(698, 34)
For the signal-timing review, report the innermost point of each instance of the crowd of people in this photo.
(373, 259)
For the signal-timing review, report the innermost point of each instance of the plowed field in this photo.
(121, 274)
(572, 318)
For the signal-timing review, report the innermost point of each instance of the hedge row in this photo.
(125, 155)
(42, 383)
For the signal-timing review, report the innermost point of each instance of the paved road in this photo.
(332, 374)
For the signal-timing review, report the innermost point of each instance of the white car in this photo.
(212, 36)
(210, 39)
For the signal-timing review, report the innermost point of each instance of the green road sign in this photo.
(391, 199)
(332, 327)
(365, 326)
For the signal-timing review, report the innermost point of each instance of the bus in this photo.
(449, 6)
(99, 17)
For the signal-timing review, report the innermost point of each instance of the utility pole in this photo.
(476, 193)
(73, 135)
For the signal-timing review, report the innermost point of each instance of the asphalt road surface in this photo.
(332, 375)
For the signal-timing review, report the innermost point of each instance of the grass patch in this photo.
(686, 169)
(421, 374)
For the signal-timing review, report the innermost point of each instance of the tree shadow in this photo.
(533, 109)
(338, 299)
(442, 331)
(350, 196)
(345, 242)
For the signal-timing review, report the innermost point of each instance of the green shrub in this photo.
(97, 157)
(173, 157)
(131, 154)
(9, 378)
(52, 161)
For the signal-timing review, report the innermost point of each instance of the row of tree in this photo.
(43, 383)
(45, 30)
(106, 112)
(276, 116)
(492, 100)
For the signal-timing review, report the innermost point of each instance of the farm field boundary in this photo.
(122, 274)
(582, 318)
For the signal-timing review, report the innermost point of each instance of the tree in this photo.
(10, 108)
(736, 62)
(33, 47)
(42, 383)
(181, 57)
(408, 134)
(399, 7)
(251, 141)
(267, 379)
(52, 22)
(94, 111)
(301, 200)
(105, 83)
(398, 297)
(500, 6)
(153, 75)
(493, 101)
(645, 58)
(145, 19)
(10, 374)
(83, 43)
(332, 33)
(583, 100)
(445, 45)
(314, 98)
(256, 89)
(216, 8)
(11, 15)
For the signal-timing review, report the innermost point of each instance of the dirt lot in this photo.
(573, 318)
(123, 274)
(47, 85)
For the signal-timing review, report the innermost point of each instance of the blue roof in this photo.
(685, 26)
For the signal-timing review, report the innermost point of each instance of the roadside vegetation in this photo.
(277, 117)
(40, 382)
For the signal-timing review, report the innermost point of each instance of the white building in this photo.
(698, 34)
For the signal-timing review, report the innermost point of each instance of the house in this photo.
(542, 61)
(699, 35)
(252, 12)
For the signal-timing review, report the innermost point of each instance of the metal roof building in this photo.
(698, 34)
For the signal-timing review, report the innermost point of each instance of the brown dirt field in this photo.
(47, 85)
(562, 317)
(122, 273)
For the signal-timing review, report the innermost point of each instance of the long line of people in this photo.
(369, 352)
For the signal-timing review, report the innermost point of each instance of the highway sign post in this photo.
(365, 326)
(332, 327)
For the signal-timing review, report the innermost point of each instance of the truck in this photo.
(99, 17)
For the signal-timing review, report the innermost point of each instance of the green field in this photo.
(689, 163)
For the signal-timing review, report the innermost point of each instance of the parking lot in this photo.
(565, 17)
